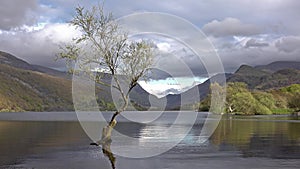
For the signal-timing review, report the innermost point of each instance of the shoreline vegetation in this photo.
(242, 101)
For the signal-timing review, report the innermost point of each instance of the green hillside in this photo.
(262, 80)
(280, 78)
(25, 90)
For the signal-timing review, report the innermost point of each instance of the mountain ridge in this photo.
(9, 59)
(278, 65)
(45, 86)
(27, 90)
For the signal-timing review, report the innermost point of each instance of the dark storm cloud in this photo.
(15, 13)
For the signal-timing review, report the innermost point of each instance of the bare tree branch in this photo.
(103, 45)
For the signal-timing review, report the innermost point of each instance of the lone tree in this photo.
(102, 44)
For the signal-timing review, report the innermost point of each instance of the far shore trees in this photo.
(294, 102)
(241, 100)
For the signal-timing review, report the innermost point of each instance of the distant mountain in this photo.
(274, 75)
(26, 87)
(279, 65)
(263, 79)
(249, 75)
(190, 97)
(8, 59)
(254, 77)
(280, 78)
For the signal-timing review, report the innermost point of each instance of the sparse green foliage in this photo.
(103, 45)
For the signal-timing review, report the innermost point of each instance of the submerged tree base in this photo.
(107, 152)
(106, 134)
(106, 140)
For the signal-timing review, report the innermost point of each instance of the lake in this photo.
(56, 140)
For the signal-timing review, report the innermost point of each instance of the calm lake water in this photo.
(56, 140)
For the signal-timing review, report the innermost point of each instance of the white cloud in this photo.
(230, 27)
(37, 45)
(288, 44)
(164, 47)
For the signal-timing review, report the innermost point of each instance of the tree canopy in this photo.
(103, 47)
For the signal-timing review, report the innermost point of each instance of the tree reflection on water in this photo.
(108, 153)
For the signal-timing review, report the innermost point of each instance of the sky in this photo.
(252, 32)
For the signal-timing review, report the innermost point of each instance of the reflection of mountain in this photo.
(259, 138)
(27, 138)
(280, 146)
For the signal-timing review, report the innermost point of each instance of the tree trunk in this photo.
(106, 131)
(113, 118)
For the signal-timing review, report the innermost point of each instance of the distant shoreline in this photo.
(71, 116)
